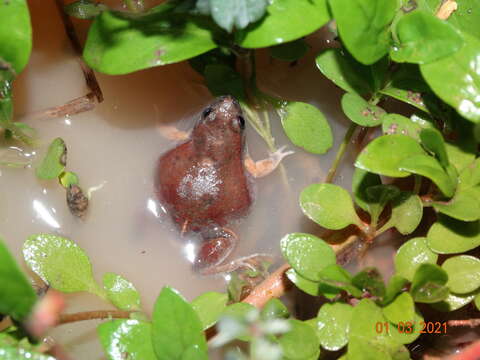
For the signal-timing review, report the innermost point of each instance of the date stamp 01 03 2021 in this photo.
(409, 327)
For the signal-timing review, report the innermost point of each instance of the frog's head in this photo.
(220, 127)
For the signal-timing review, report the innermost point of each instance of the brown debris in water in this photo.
(77, 201)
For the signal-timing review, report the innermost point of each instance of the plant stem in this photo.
(418, 184)
(91, 315)
(340, 153)
(276, 285)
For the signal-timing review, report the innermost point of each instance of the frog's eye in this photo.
(241, 122)
(206, 112)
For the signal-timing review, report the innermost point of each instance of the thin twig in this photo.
(340, 153)
(90, 78)
(277, 283)
(91, 315)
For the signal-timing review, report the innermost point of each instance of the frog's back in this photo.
(200, 191)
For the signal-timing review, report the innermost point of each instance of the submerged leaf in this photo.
(290, 51)
(54, 162)
(301, 342)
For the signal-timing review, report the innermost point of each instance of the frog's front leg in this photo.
(264, 167)
(171, 132)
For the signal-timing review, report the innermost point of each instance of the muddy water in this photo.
(114, 148)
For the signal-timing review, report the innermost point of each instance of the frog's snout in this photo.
(228, 103)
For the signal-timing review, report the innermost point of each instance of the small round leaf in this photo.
(307, 127)
(360, 111)
(333, 323)
(329, 206)
(307, 254)
(463, 273)
(411, 255)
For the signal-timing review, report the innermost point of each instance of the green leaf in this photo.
(307, 254)
(176, 329)
(131, 337)
(429, 167)
(394, 287)
(17, 296)
(68, 178)
(303, 18)
(424, 38)
(465, 205)
(84, 9)
(399, 124)
(477, 301)
(407, 212)
(407, 96)
(307, 286)
(460, 155)
(402, 309)
(18, 353)
(306, 127)
(361, 181)
(238, 310)
(345, 72)
(290, 51)
(54, 161)
(117, 44)
(329, 206)
(337, 277)
(360, 111)
(15, 34)
(411, 255)
(432, 140)
(456, 79)
(333, 323)
(363, 26)
(222, 80)
(384, 154)
(230, 14)
(369, 280)
(463, 273)
(450, 236)
(274, 309)
(380, 195)
(121, 292)
(301, 342)
(454, 302)
(407, 331)
(209, 306)
(364, 340)
(60, 263)
(428, 284)
(466, 17)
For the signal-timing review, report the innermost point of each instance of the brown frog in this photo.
(204, 183)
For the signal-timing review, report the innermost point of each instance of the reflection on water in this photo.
(44, 214)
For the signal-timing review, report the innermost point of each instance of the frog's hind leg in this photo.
(216, 246)
(264, 167)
